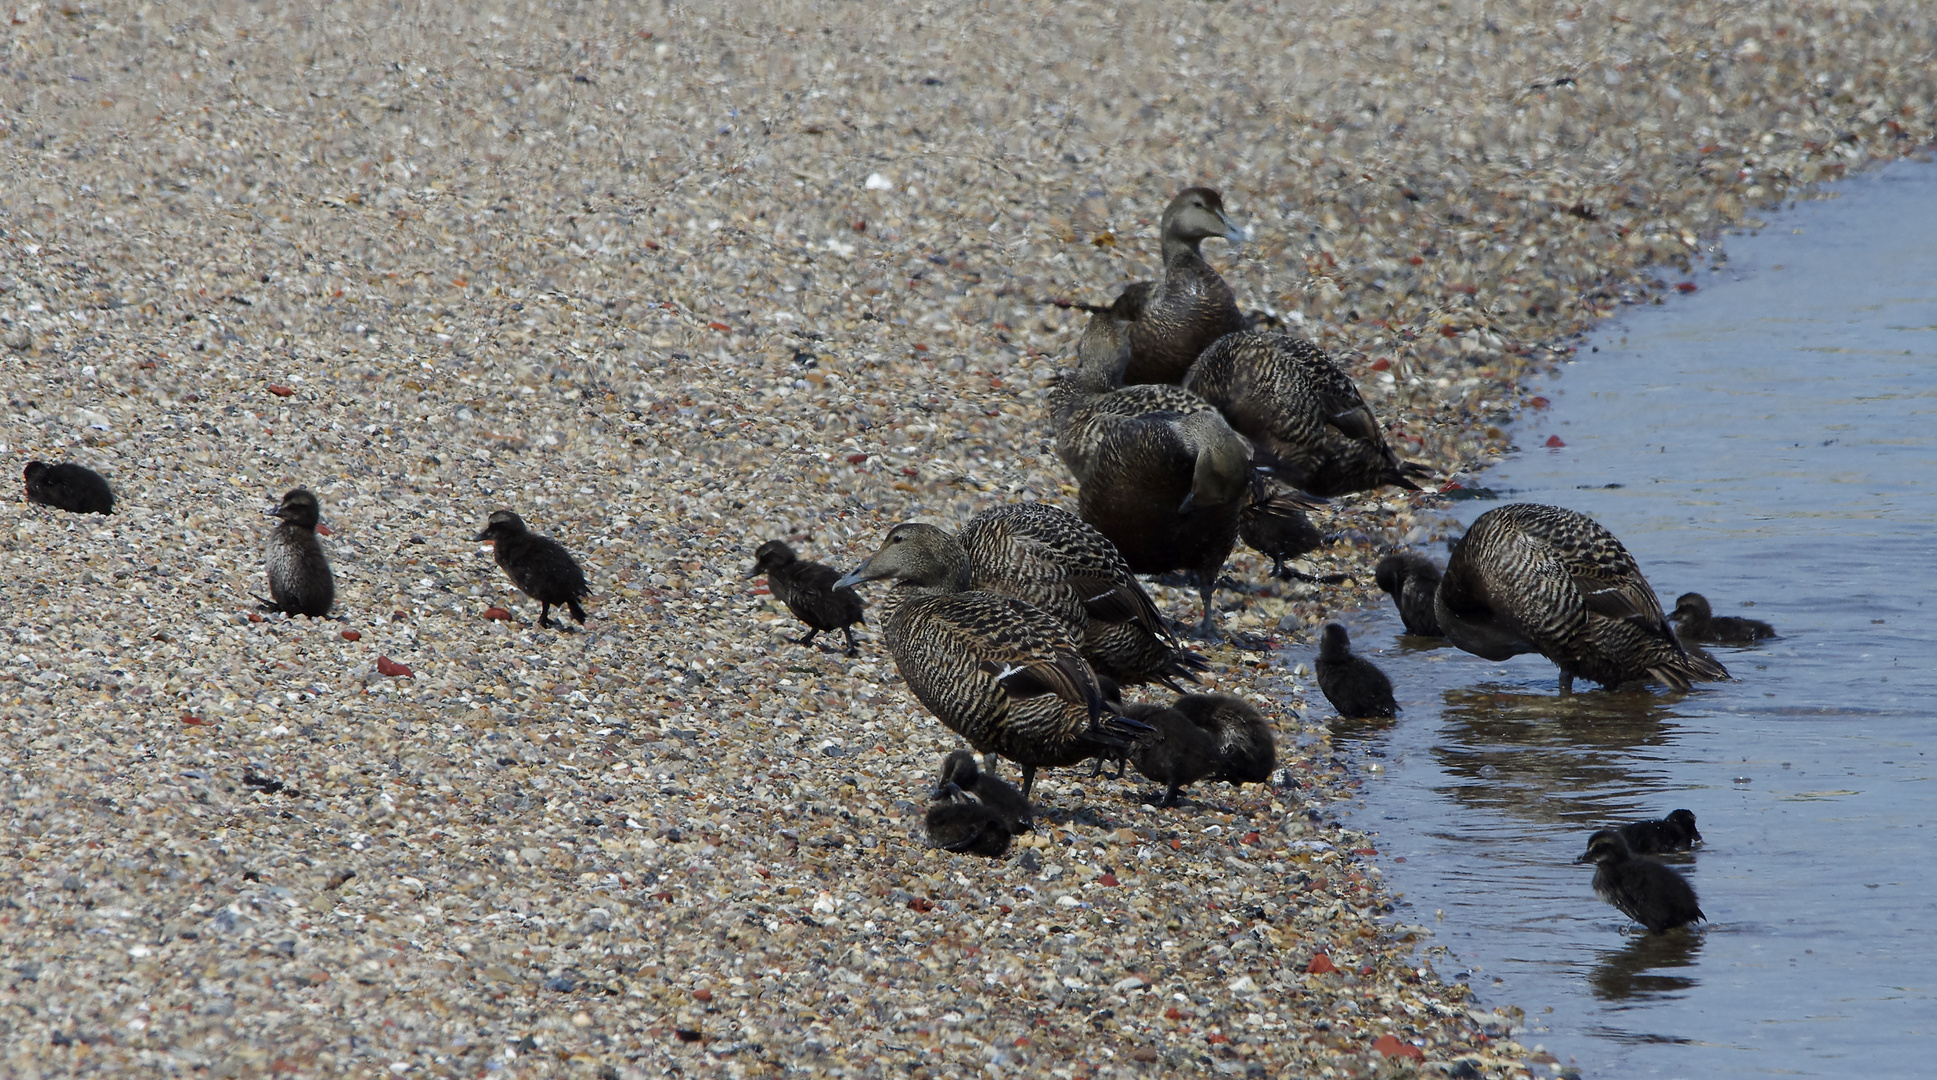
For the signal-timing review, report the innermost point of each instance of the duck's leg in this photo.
(1028, 780)
(1170, 794)
(1566, 683)
(544, 615)
(852, 648)
(807, 638)
(1206, 586)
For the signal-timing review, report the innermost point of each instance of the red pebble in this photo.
(703, 994)
(496, 613)
(856, 459)
(1538, 403)
(1452, 485)
(193, 721)
(920, 903)
(352, 635)
(1415, 260)
(387, 666)
(1449, 331)
(1248, 838)
(280, 390)
(1381, 364)
(253, 617)
(1365, 851)
(1393, 1048)
(1172, 1014)
(1108, 879)
(910, 470)
(1685, 286)
(325, 530)
(1553, 441)
(720, 326)
(1217, 1037)
(1321, 965)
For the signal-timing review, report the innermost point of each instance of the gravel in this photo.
(671, 280)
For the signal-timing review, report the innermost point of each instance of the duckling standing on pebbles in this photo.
(1411, 580)
(76, 489)
(1696, 621)
(1676, 832)
(959, 770)
(1355, 687)
(540, 566)
(1642, 889)
(957, 821)
(1203, 737)
(300, 582)
(807, 588)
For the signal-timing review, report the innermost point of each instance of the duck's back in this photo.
(300, 581)
(542, 568)
(1180, 314)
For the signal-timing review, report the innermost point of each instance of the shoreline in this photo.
(670, 283)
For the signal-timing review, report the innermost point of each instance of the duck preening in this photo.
(1644, 890)
(959, 769)
(1173, 318)
(1202, 737)
(300, 582)
(957, 821)
(1676, 832)
(998, 671)
(76, 489)
(1354, 685)
(807, 588)
(1696, 621)
(1530, 578)
(1412, 581)
(540, 566)
(1303, 415)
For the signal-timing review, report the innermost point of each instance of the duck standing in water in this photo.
(1644, 890)
(807, 588)
(300, 582)
(540, 566)
(1676, 832)
(1354, 685)
(1412, 581)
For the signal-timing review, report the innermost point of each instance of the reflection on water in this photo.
(1735, 457)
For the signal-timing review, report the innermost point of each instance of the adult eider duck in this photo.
(1188, 306)
(1530, 578)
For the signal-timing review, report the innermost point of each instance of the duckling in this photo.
(1247, 751)
(1531, 578)
(1276, 526)
(76, 489)
(1304, 416)
(1354, 686)
(959, 769)
(998, 671)
(1178, 754)
(300, 582)
(1676, 832)
(1188, 306)
(958, 822)
(807, 588)
(1642, 889)
(540, 566)
(1695, 621)
(1412, 581)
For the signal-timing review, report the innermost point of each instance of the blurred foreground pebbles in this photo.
(671, 281)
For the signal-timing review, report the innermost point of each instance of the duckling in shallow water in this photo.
(1189, 305)
(1545, 579)
(1642, 889)
(1676, 832)
(1411, 580)
(1354, 686)
(807, 588)
(76, 489)
(959, 769)
(540, 566)
(957, 821)
(300, 582)
(1696, 621)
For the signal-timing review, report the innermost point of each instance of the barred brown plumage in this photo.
(1532, 578)
(1188, 306)
(1411, 580)
(1303, 415)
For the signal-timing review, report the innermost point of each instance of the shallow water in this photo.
(1773, 437)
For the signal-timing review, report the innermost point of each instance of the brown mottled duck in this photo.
(1188, 306)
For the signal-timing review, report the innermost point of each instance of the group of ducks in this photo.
(300, 580)
(1190, 426)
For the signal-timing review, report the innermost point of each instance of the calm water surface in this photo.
(1771, 438)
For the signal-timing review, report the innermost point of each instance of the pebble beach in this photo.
(671, 280)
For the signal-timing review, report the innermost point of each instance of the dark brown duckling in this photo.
(1412, 581)
(1303, 415)
(1177, 754)
(1695, 621)
(1644, 890)
(540, 566)
(807, 588)
(960, 770)
(998, 671)
(1545, 579)
(1354, 686)
(957, 821)
(1676, 832)
(1189, 305)
(76, 489)
(1247, 751)
(300, 582)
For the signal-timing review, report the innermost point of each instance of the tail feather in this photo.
(1118, 732)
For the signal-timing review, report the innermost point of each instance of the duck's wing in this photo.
(1017, 644)
(1608, 579)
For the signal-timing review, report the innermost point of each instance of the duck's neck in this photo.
(1181, 252)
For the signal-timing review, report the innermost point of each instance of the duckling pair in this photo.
(973, 812)
(1202, 737)
(1644, 890)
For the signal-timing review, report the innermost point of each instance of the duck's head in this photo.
(1196, 215)
(958, 771)
(1692, 605)
(771, 556)
(1222, 474)
(502, 525)
(1102, 353)
(1686, 820)
(1334, 643)
(298, 508)
(1605, 847)
(918, 554)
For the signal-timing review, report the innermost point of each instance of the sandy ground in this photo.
(670, 280)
